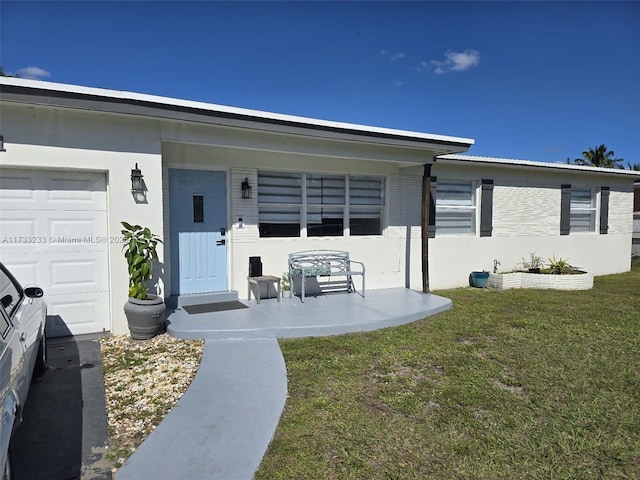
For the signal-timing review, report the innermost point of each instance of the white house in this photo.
(68, 154)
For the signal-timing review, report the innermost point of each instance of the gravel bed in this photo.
(143, 381)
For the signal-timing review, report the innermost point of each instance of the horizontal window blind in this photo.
(325, 189)
(326, 199)
(583, 211)
(454, 221)
(454, 194)
(279, 187)
(366, 190)
(280, 214)
(455, 208)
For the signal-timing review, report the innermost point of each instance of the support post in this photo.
(426, 192)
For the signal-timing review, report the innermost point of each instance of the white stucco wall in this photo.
(526, 218)
(47, 138)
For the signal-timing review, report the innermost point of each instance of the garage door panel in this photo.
(17, 189)
(75, 314)
(14, 227)
(76, 227)
(54, 233)
(26, 271)
(63, 190)
(45, 190)
(84, 191)
(81, 275)
(67, 274)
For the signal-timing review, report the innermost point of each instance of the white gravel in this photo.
(143, 381)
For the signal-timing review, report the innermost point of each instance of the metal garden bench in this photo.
(323, 263)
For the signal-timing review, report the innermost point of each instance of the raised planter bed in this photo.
(574, 281)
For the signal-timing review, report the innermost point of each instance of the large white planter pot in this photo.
(144, 317)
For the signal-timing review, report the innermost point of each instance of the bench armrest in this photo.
(359, 263)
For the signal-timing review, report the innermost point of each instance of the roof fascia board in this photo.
(535, 165)
(235, 118)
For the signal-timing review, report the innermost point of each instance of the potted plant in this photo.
(534, 264)
(144, 311)
(559, 266)
(286, 282)
(479, 279)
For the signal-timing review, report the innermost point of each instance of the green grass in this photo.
(508, 384)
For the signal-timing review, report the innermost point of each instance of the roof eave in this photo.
(128, 103)
(536, 165)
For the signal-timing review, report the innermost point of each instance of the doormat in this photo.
(214, 307)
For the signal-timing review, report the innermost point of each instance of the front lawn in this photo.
(508, 384)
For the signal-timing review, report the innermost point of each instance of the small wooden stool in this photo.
(269, 280)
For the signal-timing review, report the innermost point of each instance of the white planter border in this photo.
(504, 281)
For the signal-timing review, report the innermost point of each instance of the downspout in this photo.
(426, 191)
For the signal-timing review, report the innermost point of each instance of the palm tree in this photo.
(5, 74)
(599, 157)
(635, 166)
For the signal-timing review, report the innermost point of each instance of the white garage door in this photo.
(53, 229)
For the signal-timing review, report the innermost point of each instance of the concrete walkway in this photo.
(222, 426)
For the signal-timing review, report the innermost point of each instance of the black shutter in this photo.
(432, 207)
(604, 210)
(565, 210)
(486, 208)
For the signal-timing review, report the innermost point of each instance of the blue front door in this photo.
(198, 219)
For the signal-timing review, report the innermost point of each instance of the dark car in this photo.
(23, 351)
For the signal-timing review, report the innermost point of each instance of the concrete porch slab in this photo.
(330, 314)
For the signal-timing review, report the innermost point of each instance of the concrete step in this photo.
(177, 301)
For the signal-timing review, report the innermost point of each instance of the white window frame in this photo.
(346, 207)
(576, 209)
(472, 208)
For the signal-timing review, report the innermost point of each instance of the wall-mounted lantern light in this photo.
(246, 188)
(2, 149)
(137, 184)
(138, 188)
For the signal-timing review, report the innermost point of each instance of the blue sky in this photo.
(532, 80)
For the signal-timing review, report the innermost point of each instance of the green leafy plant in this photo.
(559, 266)
(533, 262)
(286, 282)
(140, 252)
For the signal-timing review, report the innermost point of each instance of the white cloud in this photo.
(456, 61)
(33, 73)
(393, 56)
(398, 83)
